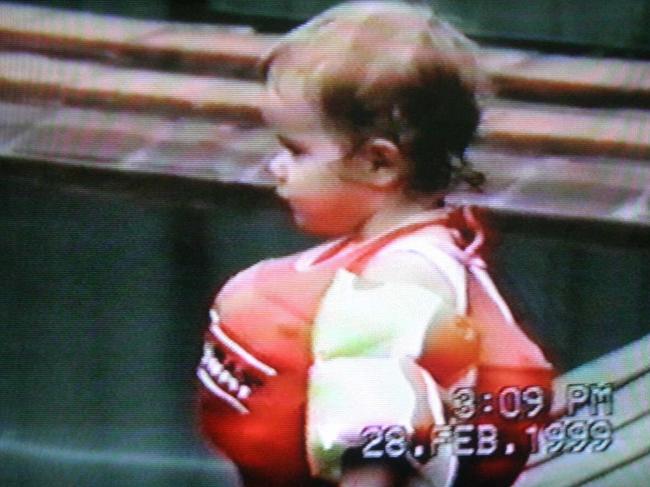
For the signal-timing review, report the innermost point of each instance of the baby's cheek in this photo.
(319, 218)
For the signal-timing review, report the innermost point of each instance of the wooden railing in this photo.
(565, 136)
(628, 371)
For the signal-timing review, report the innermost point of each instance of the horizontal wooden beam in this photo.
(120, 40)
(573, 469)
(574, 79)
(561, 129)
(583, 188)
(214, 48)
(52, 29)
(24, 76)
(545, 129)
(628, 371)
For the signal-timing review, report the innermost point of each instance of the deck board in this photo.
(206, 47)
(27, 76)
(630, 444)
(628, 369)
(550, 129)
(529, 73)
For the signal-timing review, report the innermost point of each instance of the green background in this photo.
(106, 289)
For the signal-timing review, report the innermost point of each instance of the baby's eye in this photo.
(296, 152)
(294, 148)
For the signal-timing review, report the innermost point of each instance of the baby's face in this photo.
(312, 170)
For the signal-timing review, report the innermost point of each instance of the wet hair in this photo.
(392, 70)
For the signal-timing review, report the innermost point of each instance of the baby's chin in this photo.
(322, 227)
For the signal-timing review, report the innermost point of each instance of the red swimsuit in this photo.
(258, 353)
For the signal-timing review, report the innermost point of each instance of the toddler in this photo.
(385, 356)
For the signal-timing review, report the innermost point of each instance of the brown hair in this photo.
(392, 70)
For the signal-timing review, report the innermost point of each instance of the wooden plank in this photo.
(527, 73)
(521, 126)
(195, 47)
(15, 119)
(90, 137)
(216, 150)
(199, 149)
(16, 17)
(628, 369)
(26, 76)
(630, 443)
(629, 405)
(210, 48)
(229, 151)
(71, 31)
(633, 474)
(557, 129)
(619, 367)
(590, 188)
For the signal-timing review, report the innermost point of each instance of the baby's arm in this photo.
(399, 266)
(452, 344)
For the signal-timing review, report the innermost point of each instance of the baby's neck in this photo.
(400, 213)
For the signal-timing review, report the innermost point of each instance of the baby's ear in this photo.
(380, 163)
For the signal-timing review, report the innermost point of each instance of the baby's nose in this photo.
(279, 164)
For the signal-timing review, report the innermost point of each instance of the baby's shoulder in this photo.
(425, 258)
(267, 272)
(435, 244)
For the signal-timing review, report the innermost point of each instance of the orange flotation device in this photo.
(257, 354)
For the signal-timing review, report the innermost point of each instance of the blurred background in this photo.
(577, 24)
(126, 201)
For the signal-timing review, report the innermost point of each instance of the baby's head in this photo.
(385, 79)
